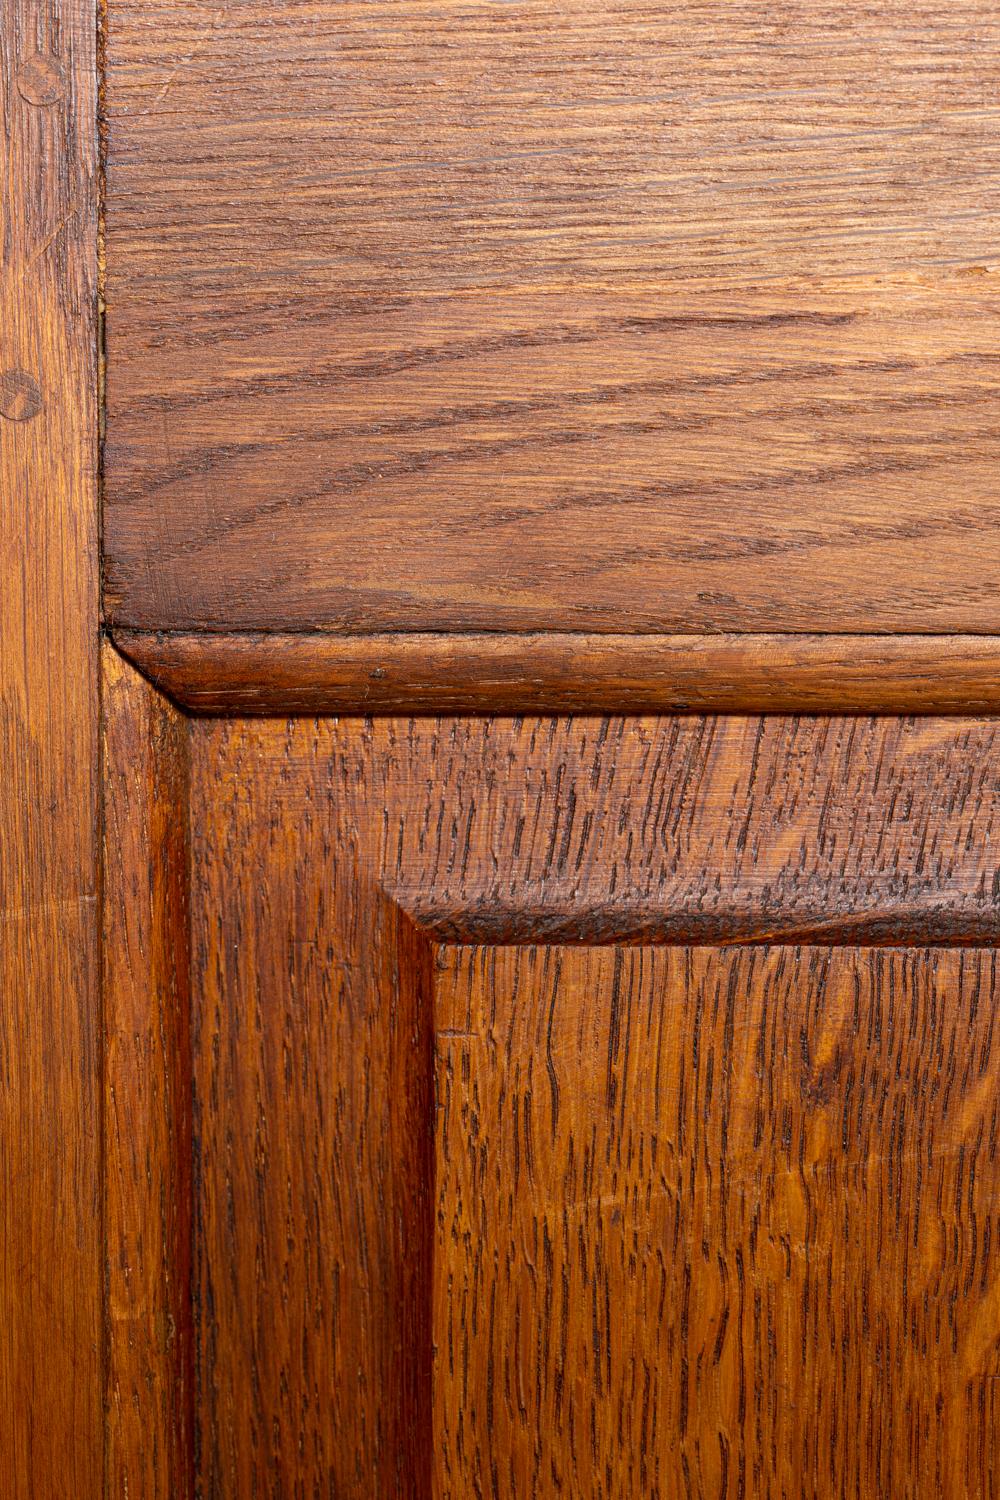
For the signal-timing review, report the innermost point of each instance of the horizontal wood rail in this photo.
(265, 673)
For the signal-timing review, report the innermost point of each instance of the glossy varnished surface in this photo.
(496, 1178)
(534, 317)
(50, 1254)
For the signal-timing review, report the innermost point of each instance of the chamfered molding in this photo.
(279, 673)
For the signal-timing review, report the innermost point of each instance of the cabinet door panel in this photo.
(600, 1107)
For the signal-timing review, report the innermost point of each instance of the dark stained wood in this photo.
(50, 1253)
(716, 1223)
(533, 317)
(313, 1128)
(471, 1219)
(148, 1083)
(274, 673)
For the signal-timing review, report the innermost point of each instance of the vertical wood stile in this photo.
(50, 1276)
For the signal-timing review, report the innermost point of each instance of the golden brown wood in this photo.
(553, 317)
(50, 1255)
(269, 673)
(662, 1212)
(605, 1106)
(147, 1081)
(716, 1223)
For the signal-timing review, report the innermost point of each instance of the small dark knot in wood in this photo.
(20, 396)
(41, 81)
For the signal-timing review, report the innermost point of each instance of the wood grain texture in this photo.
(50, 1259)
(275, 673)
(312, 1127)
(531, 317)
(717, 1223)
(147, 1083)
(450, 1200)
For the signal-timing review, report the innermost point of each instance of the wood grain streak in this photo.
(275, 673)
(659, 318)
(148, 1083)
(510, 1180)
(50, 1258)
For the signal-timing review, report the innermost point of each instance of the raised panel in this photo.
(716, 1222)
(535, 317)
(596, 1103)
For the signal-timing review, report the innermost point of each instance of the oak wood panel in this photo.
(335, 862)
(531, 317)
(148, 1085)
(312, 1130)
(716, 1222)
(50, 1258)
(275, 673)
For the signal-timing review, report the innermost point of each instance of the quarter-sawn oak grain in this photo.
(717, 1223)
(50, 1249)
(561, 1201)
(535, 317)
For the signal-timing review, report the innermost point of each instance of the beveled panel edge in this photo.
(148, 1090)
(263, 673)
